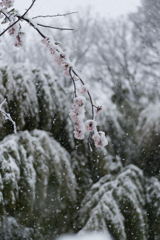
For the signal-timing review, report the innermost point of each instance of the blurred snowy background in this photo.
(52, 184)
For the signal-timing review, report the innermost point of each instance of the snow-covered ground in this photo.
(88, 236)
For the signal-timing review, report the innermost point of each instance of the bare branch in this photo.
(29, 8)
(57, 15)
(41, 25)
(27, 20)
(5, 15)
(9, 27)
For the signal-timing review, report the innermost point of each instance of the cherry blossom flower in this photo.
(59, 56)
(100, 139)
(14, 30)
(84, 89)
(79, 101)
(19, 39)
(99, 108)
(8, 3)
(79, 134)
(79, 130)
(90, 125)
(77, 116)
(74, 116)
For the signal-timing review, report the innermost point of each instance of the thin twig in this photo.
(54, 27)
(6, 15)
(9, 27)
(57, 15)
(28, 8)
(27, 20)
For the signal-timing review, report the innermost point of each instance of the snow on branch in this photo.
(8, 116)
(57, 15)
(77, 114)
(41, 25)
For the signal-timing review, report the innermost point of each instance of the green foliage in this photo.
(152, 205)
(37, 182)
(35, 100)
(116, 203)
(147, 136)
(10, 229)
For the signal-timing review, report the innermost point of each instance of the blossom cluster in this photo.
(100, 139)
(19, 36)
(84, 89)
(7, 3)
(60, 57)
(77, 115)
(90, 125)
(10, 16)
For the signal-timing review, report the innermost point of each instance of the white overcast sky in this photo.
(105, 8)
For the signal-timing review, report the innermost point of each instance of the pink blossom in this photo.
(52, 51)
(79, 126)
(65, 68)
(99, 108)
(57, 59)
(79, 134)
(77, 114)
(11, 30)
(78, 109)
(90, 125)
(14, 30)
(19, 39)
(79, 130)
(76, 126)
(79, 101)
(84, 89)
(59, 56)
(74, 116)
(100, 139)
(8, 3)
